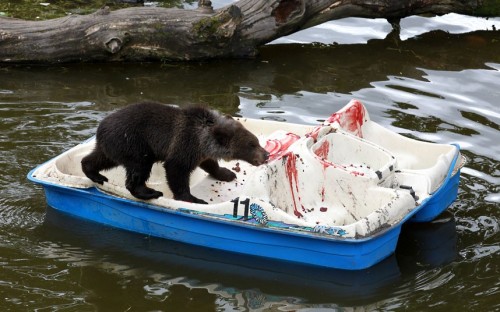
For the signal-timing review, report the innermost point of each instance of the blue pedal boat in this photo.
(334, 195)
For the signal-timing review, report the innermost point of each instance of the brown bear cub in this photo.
(141, 134)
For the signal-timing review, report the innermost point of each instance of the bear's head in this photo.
(239, 143)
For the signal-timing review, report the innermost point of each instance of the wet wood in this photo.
(159, 34)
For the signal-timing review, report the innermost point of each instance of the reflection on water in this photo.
(166, 265)
(438, 87)
(359, 30)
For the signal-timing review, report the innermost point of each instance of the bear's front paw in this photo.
(224, 174)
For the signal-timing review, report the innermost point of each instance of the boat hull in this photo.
(440, 200)
(92, 204)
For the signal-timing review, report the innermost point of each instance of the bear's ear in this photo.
(223, 134)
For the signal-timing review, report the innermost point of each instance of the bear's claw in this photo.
(191, 199)
(145, 193)
(99, 179)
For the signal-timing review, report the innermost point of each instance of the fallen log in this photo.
(159, 34)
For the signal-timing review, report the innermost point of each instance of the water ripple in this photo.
(17, 213)
(427, 280)
(475, 253)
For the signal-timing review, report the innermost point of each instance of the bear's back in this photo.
(138, 119)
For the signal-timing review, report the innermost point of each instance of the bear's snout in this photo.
(261, 157)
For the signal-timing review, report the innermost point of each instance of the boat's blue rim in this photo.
(288, 231)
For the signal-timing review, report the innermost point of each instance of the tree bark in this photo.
(158, 34)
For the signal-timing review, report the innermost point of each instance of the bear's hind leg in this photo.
(95, 162)
(137, 175)
(211, 166)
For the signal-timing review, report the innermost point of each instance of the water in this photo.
(438, 86)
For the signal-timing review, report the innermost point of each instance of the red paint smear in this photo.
(275, 147)
(356, 173)
(323, 194)
(323, 209)
(314, 133)
(351, 119)
(327, 163)
(292, 175)
(323, 150)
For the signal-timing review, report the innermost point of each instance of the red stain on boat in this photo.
(323, 150)
(314, 133)
(356, 173)
(276, 147)
(293, 180)
(350, 119)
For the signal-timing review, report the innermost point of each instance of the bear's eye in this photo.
(252, 144)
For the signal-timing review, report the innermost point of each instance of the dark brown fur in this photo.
(141, 134)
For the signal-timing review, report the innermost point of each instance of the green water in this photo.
(436, 87)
